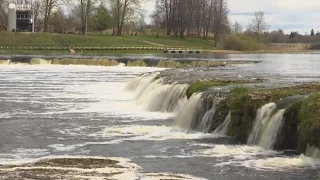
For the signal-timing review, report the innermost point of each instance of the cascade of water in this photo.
(138, 84)
(188, 112)
(35, 61)
(223, 128)
(270, 131)
(266, 126)
(156, 96)
(207, 119)
(6, 62)
(313, 152)
(164, 98)
(263, 114)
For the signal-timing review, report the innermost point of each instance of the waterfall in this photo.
(266, 126)
(223, 128)
(207, 119)
(38, 61)
(5, 62)
(313, 152)
(155, 96)
(138, 84)
(188, 112)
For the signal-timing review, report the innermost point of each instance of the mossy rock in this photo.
(222, 112)
(200, 86)
(288, 134)
(309, 124)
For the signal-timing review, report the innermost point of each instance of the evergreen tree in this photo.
(101, 19)
(312, 32)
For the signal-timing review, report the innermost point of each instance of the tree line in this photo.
(192, 17)
(207, 19)
(84, 14)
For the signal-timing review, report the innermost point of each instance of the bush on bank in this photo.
(240, 43)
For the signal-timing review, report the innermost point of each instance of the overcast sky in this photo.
(289, 15)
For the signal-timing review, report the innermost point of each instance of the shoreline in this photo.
(151, 52)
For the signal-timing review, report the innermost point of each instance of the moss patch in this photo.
(200, 86)
(309, 125)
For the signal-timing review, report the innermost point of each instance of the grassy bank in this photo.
(232, 45)
(102, 40)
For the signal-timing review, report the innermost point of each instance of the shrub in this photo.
(240, 43)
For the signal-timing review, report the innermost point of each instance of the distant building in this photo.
(21, 16)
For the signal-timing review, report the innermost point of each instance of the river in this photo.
(51, 110)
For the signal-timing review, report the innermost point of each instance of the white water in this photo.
(266, 126)
(270, 131)
(313, 152)
(156, 96)
(188, 112)
(223, 128)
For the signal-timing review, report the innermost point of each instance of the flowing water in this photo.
(70, 111)
(223, 128)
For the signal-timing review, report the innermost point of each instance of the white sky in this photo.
(289, 15)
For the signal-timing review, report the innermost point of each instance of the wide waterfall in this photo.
(223, 128)
(188, 112)
(313, 152)
(154, 95)
(266, 126)
(195, 113)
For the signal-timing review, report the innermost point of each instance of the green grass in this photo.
(101, 40)
(29, 39)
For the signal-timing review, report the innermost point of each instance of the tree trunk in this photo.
(118, 18)
(45, 28)
(87, 15)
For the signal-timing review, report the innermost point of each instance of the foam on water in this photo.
(235, 151)
(68, 148)
(152, 133)
(282, 163)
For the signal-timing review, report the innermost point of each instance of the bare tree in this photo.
(85, 8)
(121, 11)
(3, 12)
(37, 9)
(259, 24)
(237, 28)
(49, 5)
